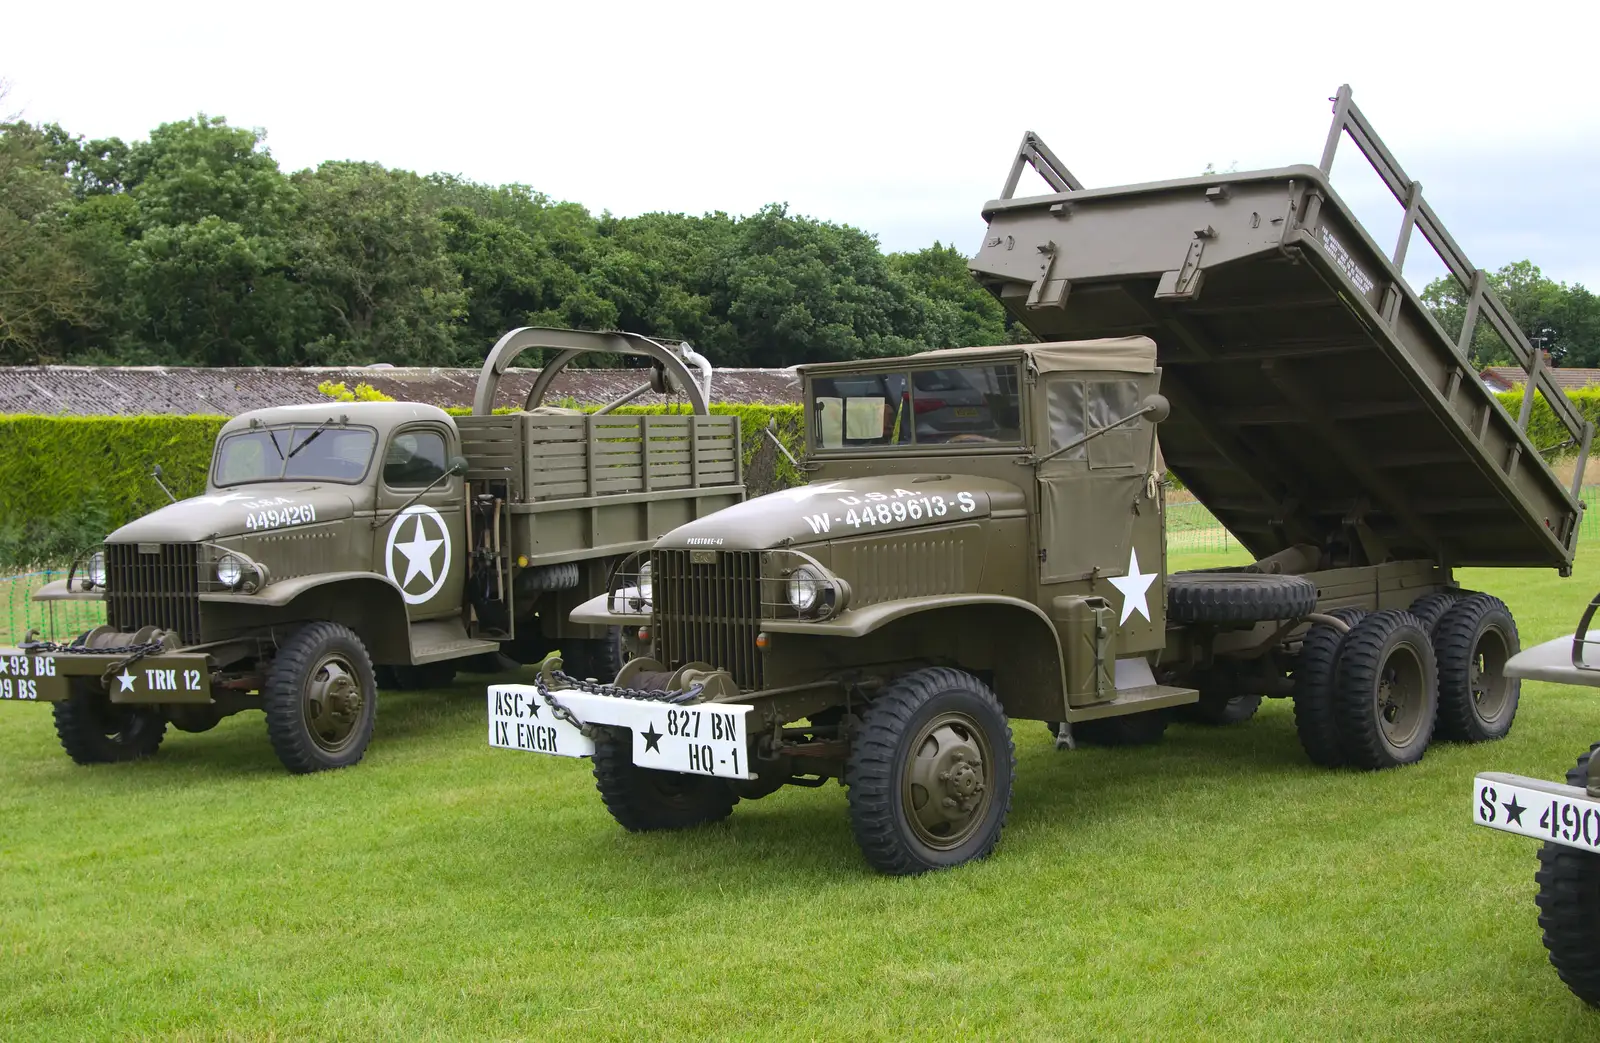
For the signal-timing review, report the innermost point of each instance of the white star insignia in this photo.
(126, 677)
(218, 501)
(419, 555)
(1135, 585)
(806, 492)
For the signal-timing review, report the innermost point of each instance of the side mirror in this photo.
(157, 473)
(1156, 408)
(458, 465)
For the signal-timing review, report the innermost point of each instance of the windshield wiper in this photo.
(275, 446)
(312, 437)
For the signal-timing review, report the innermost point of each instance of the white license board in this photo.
(703, 739)
(1565, 815)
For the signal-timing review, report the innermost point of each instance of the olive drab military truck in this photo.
(982, 538)
(339, 540)
(1565, 816)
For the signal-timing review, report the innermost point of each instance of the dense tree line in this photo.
(194, 248)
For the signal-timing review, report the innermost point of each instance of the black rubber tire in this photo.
(596, 657)
(1219, 709)
(1430, 608)
(284, 698)
(1239, 597)
(1386, 648)
(428, 675)
(541, 578)
(1569, 906)
(94, 730)
(1130, 729)
(1314, 713)
(643, 800)
(879, 760)
(1476, 703)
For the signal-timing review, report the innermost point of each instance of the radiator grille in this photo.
(154, 585)
(711, 612)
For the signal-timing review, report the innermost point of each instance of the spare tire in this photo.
(1238, 597)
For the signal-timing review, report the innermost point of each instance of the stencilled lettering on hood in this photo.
(705, 541)
(873, 509)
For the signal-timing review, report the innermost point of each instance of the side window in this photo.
(414, 459)
(1064, 409)
(1107, 402)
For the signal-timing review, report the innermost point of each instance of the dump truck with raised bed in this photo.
(982, 538)
(1565, 815)
(342, 541)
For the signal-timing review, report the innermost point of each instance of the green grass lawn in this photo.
(1217, 886)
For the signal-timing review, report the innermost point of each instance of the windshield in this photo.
(298, 452)
(965, 405)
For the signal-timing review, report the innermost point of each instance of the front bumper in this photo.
(47, 677)
(1552, 811)
(708, 738)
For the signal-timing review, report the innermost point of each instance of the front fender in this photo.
(282, 592)
(367, 603)
(1011, 638)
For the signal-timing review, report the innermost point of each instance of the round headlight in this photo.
(805, 587)
(96, 569)
(230, 570)
(645, 584)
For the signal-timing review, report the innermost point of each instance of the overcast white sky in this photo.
(898, 118)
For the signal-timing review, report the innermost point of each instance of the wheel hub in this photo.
(947, 780)
(333, 700)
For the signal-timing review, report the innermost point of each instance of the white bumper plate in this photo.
(1551, 811)
(702, 739)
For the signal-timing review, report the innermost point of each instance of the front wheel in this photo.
(1569, 907)
(930, 773)
(94, 730)
(643, 800)
(321, 699)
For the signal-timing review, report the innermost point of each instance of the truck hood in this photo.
(230, 512)
(831, 510)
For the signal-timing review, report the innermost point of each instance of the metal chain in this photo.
(641, 694)
(52, 648)
(588, 730)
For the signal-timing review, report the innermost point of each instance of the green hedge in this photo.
(1544, 429)
(67, 481)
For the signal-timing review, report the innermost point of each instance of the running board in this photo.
(436, 641)
(1135, 700)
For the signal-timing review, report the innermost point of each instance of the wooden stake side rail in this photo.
(558, 457)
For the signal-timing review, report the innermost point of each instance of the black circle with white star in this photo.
(415, 539)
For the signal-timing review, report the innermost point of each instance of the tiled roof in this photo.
(1504, 378)
(136, 390)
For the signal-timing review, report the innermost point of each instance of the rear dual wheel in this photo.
(1386, 691)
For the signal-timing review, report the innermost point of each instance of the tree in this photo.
(371, 253)
(1564, 319)
(43, 285)
(956, 311)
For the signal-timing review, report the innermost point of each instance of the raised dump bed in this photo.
(1315, 400)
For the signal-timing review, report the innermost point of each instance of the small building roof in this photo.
(215, 391)
(1504, 378)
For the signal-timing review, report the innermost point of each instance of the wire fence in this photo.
(54, 620)
(1190, 528)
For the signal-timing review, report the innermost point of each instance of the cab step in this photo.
(1136, 700)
